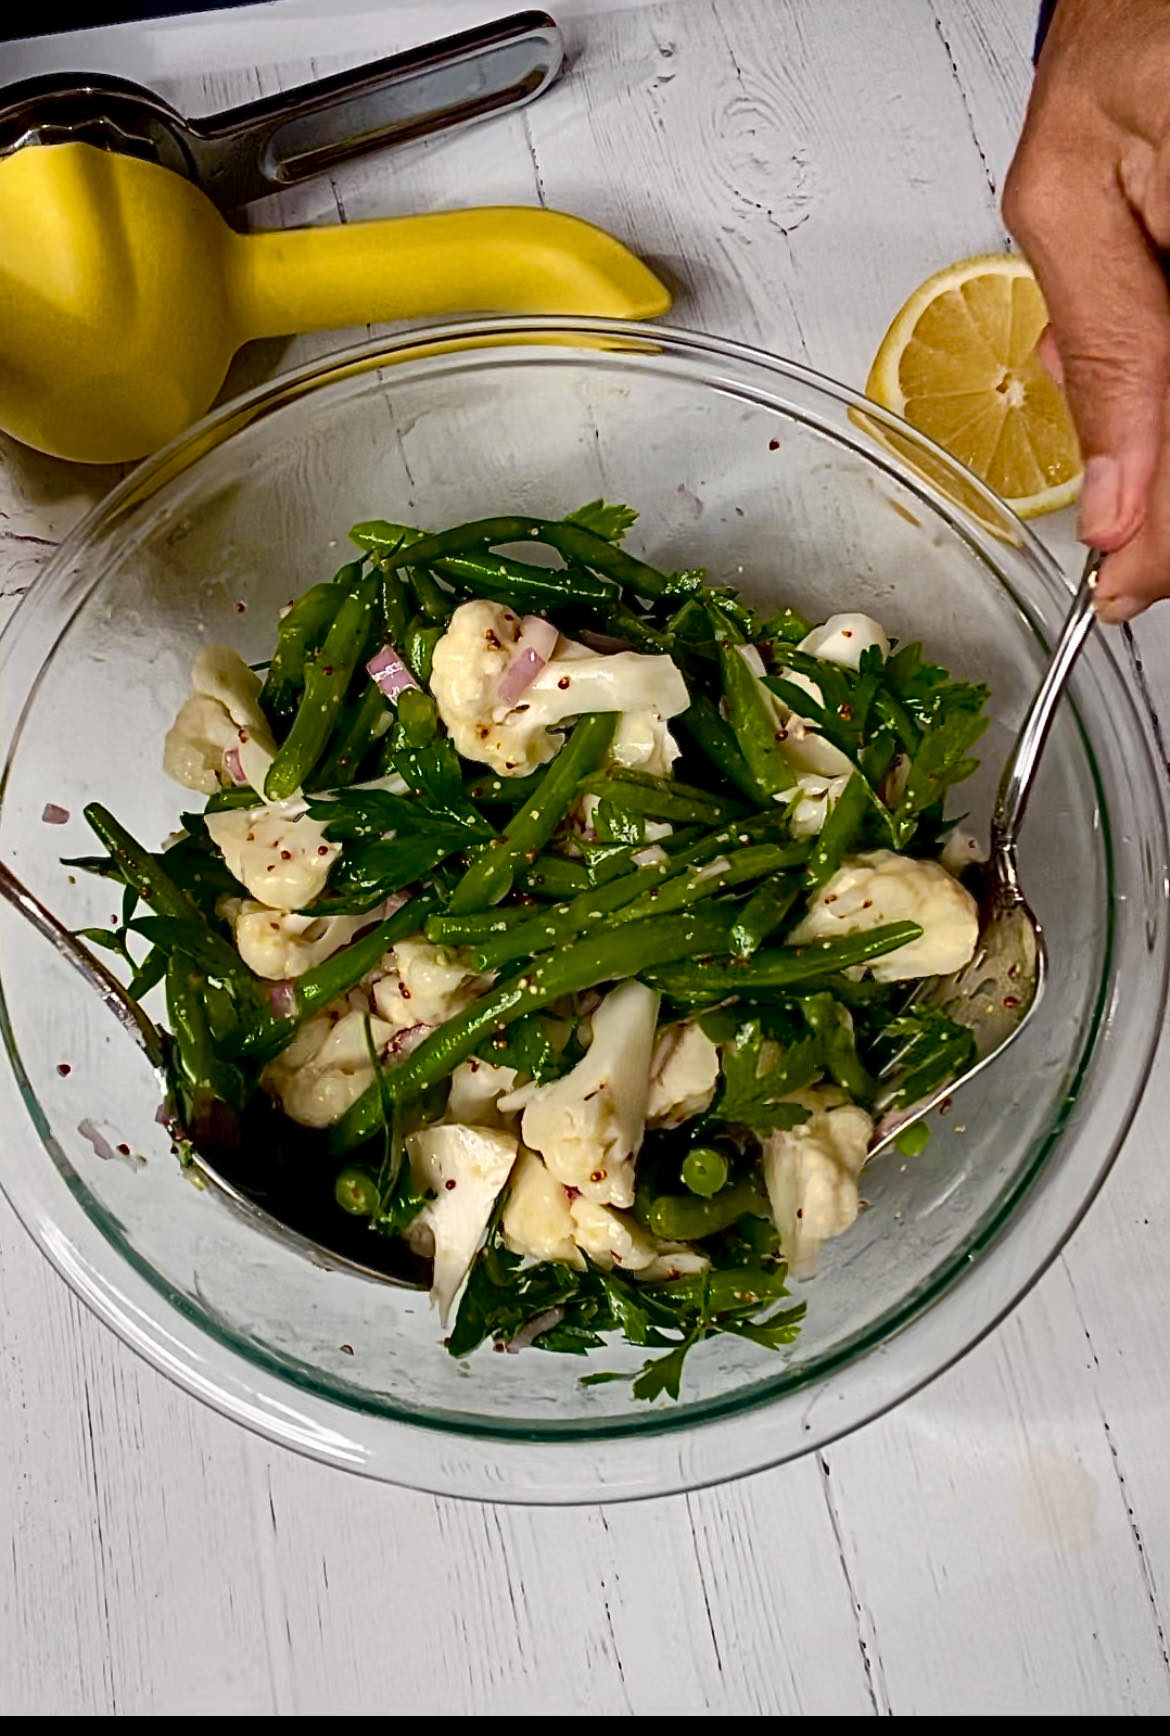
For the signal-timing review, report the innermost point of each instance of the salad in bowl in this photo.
(546, 929)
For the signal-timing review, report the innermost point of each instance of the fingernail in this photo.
(1115, 610)
(1100, 500)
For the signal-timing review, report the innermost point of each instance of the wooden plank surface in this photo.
(999, 1544)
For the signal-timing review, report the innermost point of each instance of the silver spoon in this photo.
(146, 1034)
(999, 990)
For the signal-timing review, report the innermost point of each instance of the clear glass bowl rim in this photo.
(661, 1453)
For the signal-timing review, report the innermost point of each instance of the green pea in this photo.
(704, 1171)
(912, 1141)
(356, 1191)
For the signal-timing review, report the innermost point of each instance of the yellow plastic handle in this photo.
(496, 259)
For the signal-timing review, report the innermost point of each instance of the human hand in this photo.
(1088, 198)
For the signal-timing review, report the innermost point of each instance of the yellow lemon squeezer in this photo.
(124, 292)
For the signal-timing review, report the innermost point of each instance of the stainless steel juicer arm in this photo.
(246, 152)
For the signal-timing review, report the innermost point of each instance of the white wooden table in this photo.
(999, 1544)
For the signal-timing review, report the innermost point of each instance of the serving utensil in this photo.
(210, 1150)
(996, 994)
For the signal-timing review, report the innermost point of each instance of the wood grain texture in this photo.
(1002, 1542)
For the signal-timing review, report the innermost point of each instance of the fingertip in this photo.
(1113, 500)
(1115, 611)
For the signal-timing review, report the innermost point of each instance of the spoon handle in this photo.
(103, 981)
(1018, 774)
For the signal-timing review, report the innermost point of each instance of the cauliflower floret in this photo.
(276, 851)
(643, 743)
(811, 1173)
(683, 1076)
(326, 1067)
(465, 1168)
(961, 849)
(476, 1089)
(612, 1239)
(817, 798)
(844, 639)
(473, 655)
(879, 887)
(281, 944)
(588, 1125)
(221, 714)
(537, 1218)
(424, 985)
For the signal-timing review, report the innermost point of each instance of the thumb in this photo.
(1139, 573)
(1110, 316)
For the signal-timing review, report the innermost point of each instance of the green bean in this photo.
(531, 590)
(356, 1191)
(435, 603)
(838, 832)
(763, 913)
(559, 923)
(327, 678)
(704, 1171)
(395, 599)
(491, 875)
(783, 965)
(138, 868)
(448, 930)
(624, 952)
(238, 796)
(509, 792)
(266, 1033)
(754, 721)
(418, 647)
(552, 877)
(300, 632)
(662, 798)
(683, 1218)
(371, 718)
(714, 736)
(570, 540)
(707, 880)
(207, 1076)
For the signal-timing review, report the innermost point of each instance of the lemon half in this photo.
(959, 363)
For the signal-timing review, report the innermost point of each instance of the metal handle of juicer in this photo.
(247, 152)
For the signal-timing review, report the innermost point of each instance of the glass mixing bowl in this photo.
(755, 469)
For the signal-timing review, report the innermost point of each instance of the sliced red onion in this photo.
(603, 642)
(390, 673)
(100, 1143)
(536, 644)
(532, 1329)
(282, 998)
(53, 815)
(234, 766)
